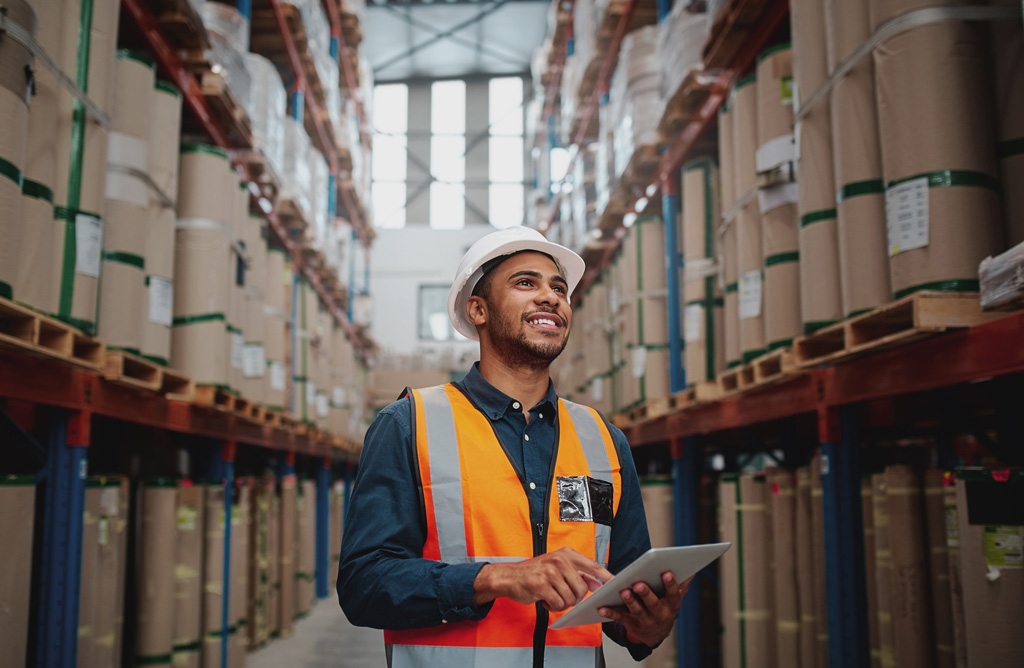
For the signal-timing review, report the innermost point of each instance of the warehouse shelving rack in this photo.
(836, 397)
(59, 399)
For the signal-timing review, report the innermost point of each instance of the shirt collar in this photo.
(492, 401)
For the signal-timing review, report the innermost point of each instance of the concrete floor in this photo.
(325, 639)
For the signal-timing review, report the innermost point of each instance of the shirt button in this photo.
(540, 415)
(515, 405)
(533, 485)
(444, 621)
(527, 437)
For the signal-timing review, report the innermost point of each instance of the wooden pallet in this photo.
(132, 371)
(735, 380)
(701, 393)
(293, 217)
(181, 25)
(645, 13)
(123, 368)
(272, 417)
(640, 171)
(258, 170)
(684, 104)
(232, 115)
(25, 330)
(215, 397)
(914, 317)
(650, 410)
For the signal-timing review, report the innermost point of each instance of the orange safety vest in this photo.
(477, 510)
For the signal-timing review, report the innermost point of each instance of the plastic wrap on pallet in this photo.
(605, 177)
(229, 62)
(584, 195)
(715, 9)
(1002, 280)
(586, 22)
(268, 102)
(635, 95)
(228, 22)
(571, 74)
(356, 8)
(319, 176)
(681, 40)
(296, 176)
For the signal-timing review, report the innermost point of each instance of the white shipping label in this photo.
(693, 319)
(187, 518)
(103, 530)
(310, 393)
(597, 389)
(88, 245)
(110, 500)
(254, 362)
(339, 396)
(277, 379)
(613, 299)
(906, 215)
(323, 406)
(237, 350)
(639, 361)
(161, 300)
(750, 295)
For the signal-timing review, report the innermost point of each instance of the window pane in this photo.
(448, 107)
(447, 206)
(505, 204)
(433, 322)
(505, 106)
(391, 108)
(388, 204)
(506, 159)
(448, 158)
(389, 158)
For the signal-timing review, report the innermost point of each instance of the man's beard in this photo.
(518, 350)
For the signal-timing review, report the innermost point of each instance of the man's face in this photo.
(528, 310)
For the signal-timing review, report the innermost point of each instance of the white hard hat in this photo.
(497, 244)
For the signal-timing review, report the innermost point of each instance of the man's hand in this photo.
(647, 618)
(556, 579)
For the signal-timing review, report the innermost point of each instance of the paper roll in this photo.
(1008, 58)
(159, 254)
(18, 497)
(782, 500)
(758, 587)
(859, 185)
(933, 81)
(774, 108)
(704, 354)
(730, 564)
(156, 558)
(805, 568)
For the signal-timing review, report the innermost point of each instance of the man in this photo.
(484, 509)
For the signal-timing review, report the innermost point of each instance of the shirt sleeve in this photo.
(383, 582)
(630, 537)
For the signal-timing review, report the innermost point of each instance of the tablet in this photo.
(683, 562)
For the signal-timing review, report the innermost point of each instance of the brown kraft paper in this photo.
(18, 499)
(938, 558)
(757, 577)
(910, 596)
(820, 587)
(188, 582)
(867, 497)
(782, 491)
(157, 540)
(883, 571)
(731, 604)
(805, 569)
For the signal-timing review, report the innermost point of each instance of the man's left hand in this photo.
(648, 619)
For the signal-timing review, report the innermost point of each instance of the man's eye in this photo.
(559, 288)
(524, 281)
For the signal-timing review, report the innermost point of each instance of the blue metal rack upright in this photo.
(323, 528)
(60, 565)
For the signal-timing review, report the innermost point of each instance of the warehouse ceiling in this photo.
(434, 39)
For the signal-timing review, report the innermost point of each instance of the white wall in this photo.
(401, 261)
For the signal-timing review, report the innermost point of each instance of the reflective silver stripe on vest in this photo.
(445, 474)
(422, 656)
(486, 560)
(600, 467)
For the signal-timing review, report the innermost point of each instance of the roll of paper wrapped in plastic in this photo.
(296, 177)
(681, 38)
(268, 103)
(15, 91)
(123, 282)
(820, 295)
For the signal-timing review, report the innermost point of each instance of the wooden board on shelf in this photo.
(258, 170)
(176, 386)
(640, 171)
(215, 397)
(700, 393)
(182, 26)
(645, 13)
(25, 330)
(129, 370)
(685, 103)
(898, 323)
(232, 115)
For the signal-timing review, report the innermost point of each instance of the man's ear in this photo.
(476, 308)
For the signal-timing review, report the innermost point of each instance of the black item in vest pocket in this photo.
(584, 499)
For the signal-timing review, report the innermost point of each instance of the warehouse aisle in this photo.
(324, 639)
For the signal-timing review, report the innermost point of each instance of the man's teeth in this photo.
(545, 321)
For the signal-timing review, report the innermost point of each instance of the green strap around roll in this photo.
(751, 355)
(156, 359)
(121, 257)
(1010, 148)
(814, 325)
(951, 285)
(11, 171)
(126, 349)
(817, 217)
(740, 575)
(953, 177)
(137, 56)
(781, 343)
(30, 188)
(782, 258)
(859, 188)
(154, 660)
(167, 87)
(732, 287)
(204, 148)
(198, 318)
(6, 291)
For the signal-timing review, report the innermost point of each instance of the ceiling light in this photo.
(640, 205)
(629, 219)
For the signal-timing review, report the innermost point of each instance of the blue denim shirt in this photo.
(382, 580)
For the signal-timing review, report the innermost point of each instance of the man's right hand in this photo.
(556, 579)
